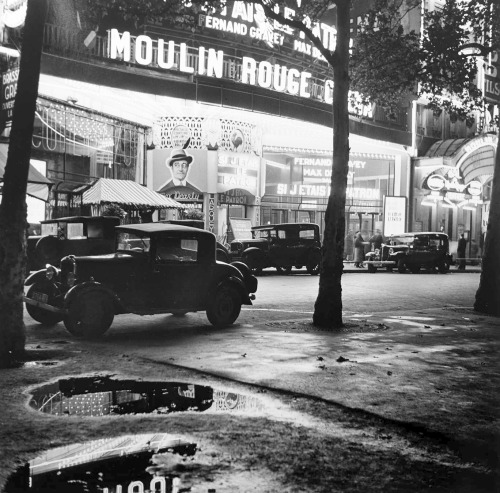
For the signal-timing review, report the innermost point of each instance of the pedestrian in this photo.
(348, 245)
(376, 240)
(359, 250)
(462, 244)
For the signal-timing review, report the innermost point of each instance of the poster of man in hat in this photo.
(179, 163)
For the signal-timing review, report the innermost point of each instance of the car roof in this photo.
(285, 225)
(80, 219)
(157, 227)
(421, 233)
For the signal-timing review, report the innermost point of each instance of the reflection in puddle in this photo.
(130, 463)
(100, 396)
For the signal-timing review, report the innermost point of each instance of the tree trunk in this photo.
(13, 223)
(328, 306)
(488, 293)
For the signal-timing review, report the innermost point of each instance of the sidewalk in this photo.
(349, 267)
(383, 397)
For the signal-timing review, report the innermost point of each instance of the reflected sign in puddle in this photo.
(99, 396)
(130, 463)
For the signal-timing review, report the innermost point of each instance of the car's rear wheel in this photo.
(415, 268)
(90, 314)
(371, 269)
(401, 266)
(225, 307)
(284, 270)
(313, 261)
(42, 316)
(389, 269)
(444, 267)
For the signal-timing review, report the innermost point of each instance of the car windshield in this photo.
(131, 242)
(260, 234)
(400, 240)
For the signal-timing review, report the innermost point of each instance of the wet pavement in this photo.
(398, 400)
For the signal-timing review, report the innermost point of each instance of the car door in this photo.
(178, 278)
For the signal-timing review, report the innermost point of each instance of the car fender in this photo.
(40, 276)
(253, 251)
(250, 280)
(239, 285)
(75, 291)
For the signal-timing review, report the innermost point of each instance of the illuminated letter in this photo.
(304, 83)
(184, 67)
(215, 63)
(292, 85)
(161, 54)
(280, 78)
(201, 60)
(117, 45)
(248, 66)
(145, 41)
(265, 74)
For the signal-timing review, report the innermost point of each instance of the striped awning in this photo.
(127, 193)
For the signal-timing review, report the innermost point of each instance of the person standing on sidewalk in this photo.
(348, 245)
(462, 245)
(359, 250)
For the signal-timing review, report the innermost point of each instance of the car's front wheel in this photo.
(253, 263)
(444, 266)
(42, 292)
(371, 269)
(415, 268)
(401, 266)
(90, 314)
(225, 307)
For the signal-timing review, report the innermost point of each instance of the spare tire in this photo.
(48, 251)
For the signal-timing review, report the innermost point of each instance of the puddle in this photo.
(29, 364)
(99, 396)
(130, 463)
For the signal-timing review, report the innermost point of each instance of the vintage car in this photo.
(222, 251)
(156, 268)
(281, 246)
(412, 251)
(76, 235)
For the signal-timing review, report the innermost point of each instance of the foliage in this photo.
(113, 210)
(193, 214)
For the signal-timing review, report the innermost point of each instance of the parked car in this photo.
(281, 246)
(412, 251)
(76, 235)
(222, 251)
(156, 268)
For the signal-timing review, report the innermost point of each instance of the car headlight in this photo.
(71, 279)
(50, 272)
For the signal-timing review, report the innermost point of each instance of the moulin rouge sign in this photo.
(244, 19)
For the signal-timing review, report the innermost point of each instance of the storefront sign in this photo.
(234, 197)
(211, 212)
(237, 170)
(492, 79)
(182, 196)
(452, 185)
(8, 96)
(394, 215)
(241, 228)
(325, 190)
(249, 20)
(210, 63)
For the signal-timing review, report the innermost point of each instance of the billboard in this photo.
(394, 215)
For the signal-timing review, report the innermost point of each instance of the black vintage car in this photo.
(412, 251)
(76, 235)
(281, 246)
(156, 268)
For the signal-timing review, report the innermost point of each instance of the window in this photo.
(175, 250)
(306, 233)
